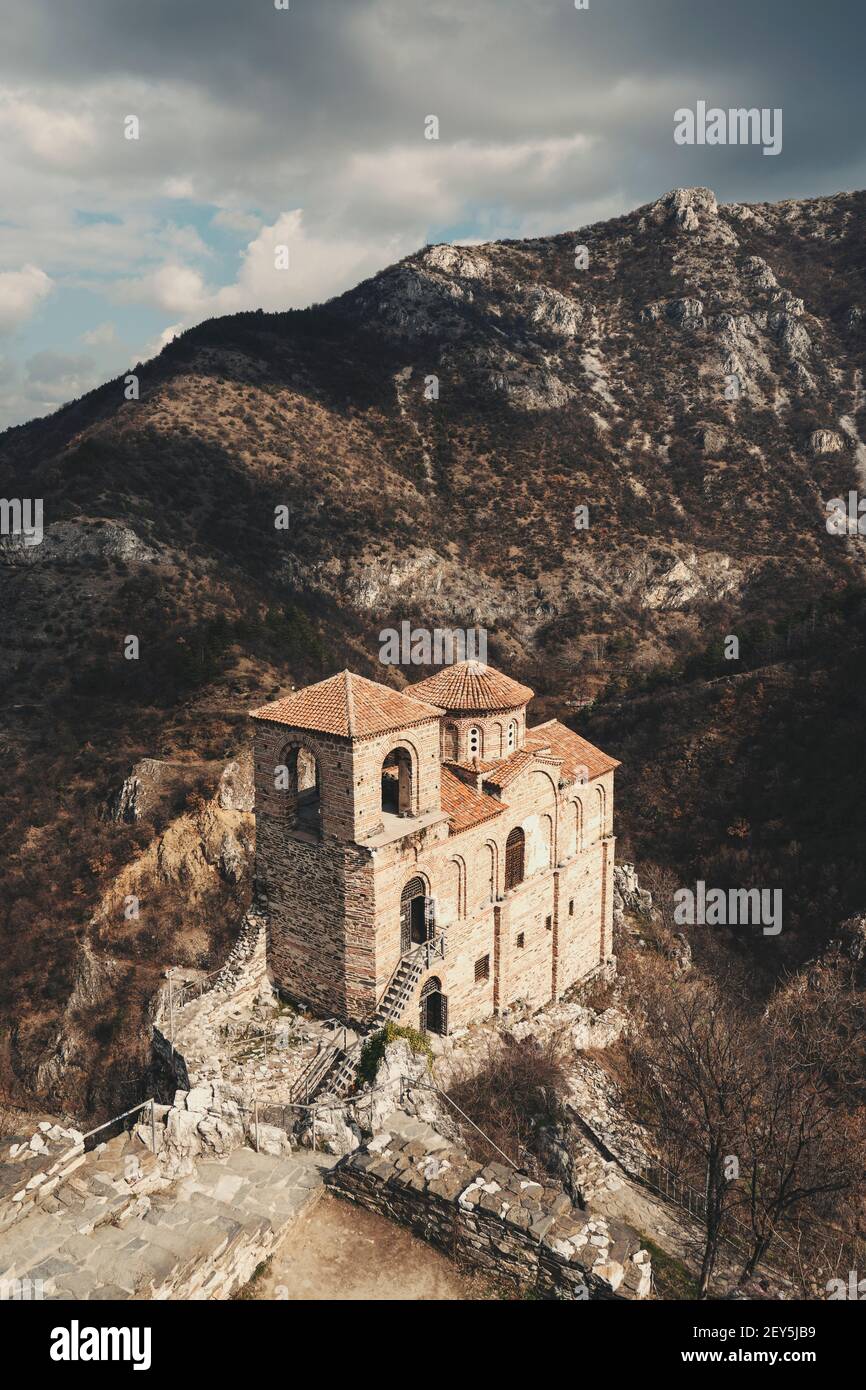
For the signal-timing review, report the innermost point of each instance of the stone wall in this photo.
(494, 1219)
(319, 901)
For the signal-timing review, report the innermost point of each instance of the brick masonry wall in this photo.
(493, 734)
(333, 902)
(455, 869)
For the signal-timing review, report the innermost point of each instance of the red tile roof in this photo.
(575, 752)
(470, 685)
(350, 706)
(464, 805)
(503, 772)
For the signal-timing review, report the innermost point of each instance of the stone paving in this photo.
(99, 1235)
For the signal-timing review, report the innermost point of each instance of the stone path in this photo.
(107, 1237)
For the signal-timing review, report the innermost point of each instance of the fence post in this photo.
(170, 1006)
(314, 1128)
(153, 1125)
(256, 1103)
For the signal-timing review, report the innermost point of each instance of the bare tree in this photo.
(804, 1139)
(693, 1065)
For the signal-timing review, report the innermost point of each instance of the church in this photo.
(423, 856)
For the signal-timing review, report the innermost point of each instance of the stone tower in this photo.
(320, 774)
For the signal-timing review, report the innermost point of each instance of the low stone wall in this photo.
(494, 1219)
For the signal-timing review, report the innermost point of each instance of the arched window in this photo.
(515, 850)
(496, 748)
(449, 743)
(490, 871)
(476, 742)
(397, 783)
(458, 886)
(512, 736)
(602, 816)
(297, 775)
(546, 829)
(578, 827)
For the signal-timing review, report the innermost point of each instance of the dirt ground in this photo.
(340, 1252)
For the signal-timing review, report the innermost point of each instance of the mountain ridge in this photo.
(558, 389)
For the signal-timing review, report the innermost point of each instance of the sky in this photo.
(304, 127)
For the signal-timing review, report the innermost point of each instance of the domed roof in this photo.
(471, 686)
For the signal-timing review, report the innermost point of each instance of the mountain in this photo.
(612, 469)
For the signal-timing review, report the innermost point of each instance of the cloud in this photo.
(100, 336)
(161, 341)
(179, 289)
(48, 380)
(58, 137)
(21, 291)
(318, 266)
(235, 220)
(306, 128)
(58, 370)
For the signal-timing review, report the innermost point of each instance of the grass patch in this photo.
(672, 1281)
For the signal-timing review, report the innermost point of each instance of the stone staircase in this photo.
(113, 1230)
(333, 1069)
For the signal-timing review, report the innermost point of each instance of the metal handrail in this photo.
(314, 1070)
(435, 948)
(694, 1201)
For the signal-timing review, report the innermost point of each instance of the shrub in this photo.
(374, 1049)
(515, 1092)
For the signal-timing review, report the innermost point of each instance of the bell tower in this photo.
(338, 767)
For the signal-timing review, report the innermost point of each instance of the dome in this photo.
(470, 686)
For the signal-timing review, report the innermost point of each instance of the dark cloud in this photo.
(343, 75)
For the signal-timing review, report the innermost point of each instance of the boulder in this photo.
(273, 1140)
(686, 311)
(825, 442)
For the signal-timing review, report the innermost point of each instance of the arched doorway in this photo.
(415, 915)
(434, 1008)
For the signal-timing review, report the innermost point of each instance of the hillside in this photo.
(558, 389)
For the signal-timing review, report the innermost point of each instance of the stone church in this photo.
(424, 856)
